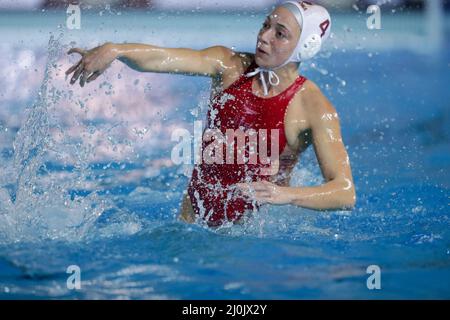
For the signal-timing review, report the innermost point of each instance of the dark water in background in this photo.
(395, 119)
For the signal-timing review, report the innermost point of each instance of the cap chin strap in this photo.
(274, 80)
(271, 73)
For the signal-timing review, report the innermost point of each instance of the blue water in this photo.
(119, 224)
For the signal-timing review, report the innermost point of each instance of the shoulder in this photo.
(316, 105)
(232, 66)
(244, 59)
(229, 60)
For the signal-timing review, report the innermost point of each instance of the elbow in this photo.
(348, 200)
(350, 205)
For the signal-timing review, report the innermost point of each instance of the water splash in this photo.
(35, 204)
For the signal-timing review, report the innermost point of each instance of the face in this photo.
(277, 38)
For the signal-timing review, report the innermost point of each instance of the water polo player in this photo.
(260, 93)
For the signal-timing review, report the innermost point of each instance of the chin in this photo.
(261, 62)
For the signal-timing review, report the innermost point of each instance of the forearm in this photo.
(140, 57)
(334, 195)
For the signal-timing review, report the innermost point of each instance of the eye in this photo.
(281, 35)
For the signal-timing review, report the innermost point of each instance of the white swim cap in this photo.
(315, 25)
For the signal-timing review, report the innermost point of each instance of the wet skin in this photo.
(310, 118)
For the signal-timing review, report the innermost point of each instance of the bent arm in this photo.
(333, 195)
(148, 58)
(338, 191)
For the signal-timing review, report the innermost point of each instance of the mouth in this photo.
(261, 51)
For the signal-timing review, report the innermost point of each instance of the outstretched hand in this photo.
(92, 64)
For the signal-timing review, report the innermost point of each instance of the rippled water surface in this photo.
(86, 179)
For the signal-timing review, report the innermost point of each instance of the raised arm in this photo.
(148, 58)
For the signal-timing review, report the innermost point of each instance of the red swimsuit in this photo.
(211, 189)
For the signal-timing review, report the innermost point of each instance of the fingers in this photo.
(93, 76)
(260, 186)
(244, 188)
(250, 186)
(77, 74)
(255, 189)
(78, 68)
(84, 77)
(261, 192)
(262, 196)
(76, 50)
(71, 69)
(259, 196)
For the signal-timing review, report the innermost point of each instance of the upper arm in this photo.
(207, 62)
(326, 135)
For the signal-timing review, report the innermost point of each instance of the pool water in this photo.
(86, 180)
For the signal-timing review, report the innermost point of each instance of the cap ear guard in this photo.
(314, 21)
(310, 47)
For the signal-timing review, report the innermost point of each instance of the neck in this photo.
(287, 74)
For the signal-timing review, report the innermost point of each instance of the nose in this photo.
(264, 36)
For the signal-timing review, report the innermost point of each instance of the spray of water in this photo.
(34, 204)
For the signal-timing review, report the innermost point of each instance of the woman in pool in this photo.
(260, 93)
